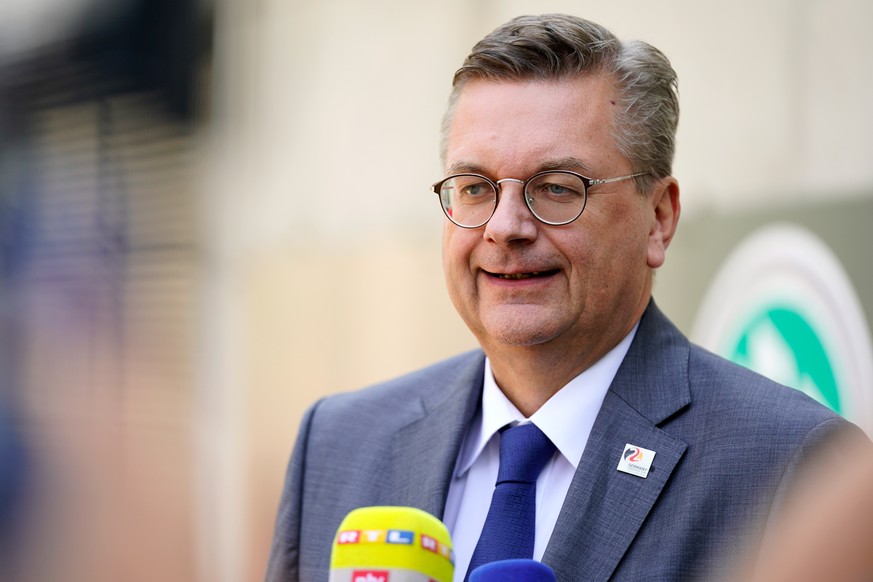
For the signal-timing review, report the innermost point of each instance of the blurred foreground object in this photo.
(824, 530)
(14, 475)
(101, 125)
(92, 49)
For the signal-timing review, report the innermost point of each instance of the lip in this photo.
(520, 277)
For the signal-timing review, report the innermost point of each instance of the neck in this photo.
(530, 375)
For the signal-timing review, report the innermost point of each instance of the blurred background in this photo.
(213, 212)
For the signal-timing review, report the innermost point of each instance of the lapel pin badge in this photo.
(636, 460)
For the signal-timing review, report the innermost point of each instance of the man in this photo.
(558, 145)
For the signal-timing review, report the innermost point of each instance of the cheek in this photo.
(609, 247)
(624, 229)
(456, 256)
(448, 250)
(460, 284)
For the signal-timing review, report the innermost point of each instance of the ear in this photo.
(665, 204)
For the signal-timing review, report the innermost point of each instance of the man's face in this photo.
(516, 281)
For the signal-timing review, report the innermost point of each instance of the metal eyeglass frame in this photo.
(586, 183)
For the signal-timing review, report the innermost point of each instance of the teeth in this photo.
(518, 275)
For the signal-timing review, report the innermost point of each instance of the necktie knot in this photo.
(524, 451)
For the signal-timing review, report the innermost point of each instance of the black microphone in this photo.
(513, 571)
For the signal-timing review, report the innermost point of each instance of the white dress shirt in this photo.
(566, 418)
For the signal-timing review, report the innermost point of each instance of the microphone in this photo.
(391, 544)
(513, 571)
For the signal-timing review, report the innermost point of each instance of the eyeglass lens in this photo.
(553, 197)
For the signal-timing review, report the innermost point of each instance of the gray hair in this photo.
(557, 46)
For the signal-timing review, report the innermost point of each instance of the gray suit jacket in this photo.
(725, 439)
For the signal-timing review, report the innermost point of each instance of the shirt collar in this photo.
(566, 418)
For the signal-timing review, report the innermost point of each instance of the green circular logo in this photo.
(782, 305)
(780, 343)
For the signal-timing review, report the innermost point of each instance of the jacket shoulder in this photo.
(405, 394)
(720, 383)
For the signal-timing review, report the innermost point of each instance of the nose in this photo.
(512, 221)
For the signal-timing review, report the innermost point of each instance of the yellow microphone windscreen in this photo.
(391, 544)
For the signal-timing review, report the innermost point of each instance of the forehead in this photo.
(522, 123)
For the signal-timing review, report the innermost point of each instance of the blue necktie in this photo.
(509, 528)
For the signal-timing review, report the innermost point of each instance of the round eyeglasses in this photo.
(554, 197)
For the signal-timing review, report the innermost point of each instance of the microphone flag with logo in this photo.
(391, 544)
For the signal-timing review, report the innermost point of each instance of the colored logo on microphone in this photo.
(348, 537)
(434, 545)
(375, 536)
(391, 544)
(370, 576)
(394, 537)
(400, 536)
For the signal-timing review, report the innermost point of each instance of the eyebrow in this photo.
(566, 163)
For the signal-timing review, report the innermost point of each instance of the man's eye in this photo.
(474, 190)
(555, 190)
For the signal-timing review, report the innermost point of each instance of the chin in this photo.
(520, 340)
(522, 333)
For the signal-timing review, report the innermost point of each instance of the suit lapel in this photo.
(604, 507)
(424, 452)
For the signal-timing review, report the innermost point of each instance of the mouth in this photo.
(521, 276)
